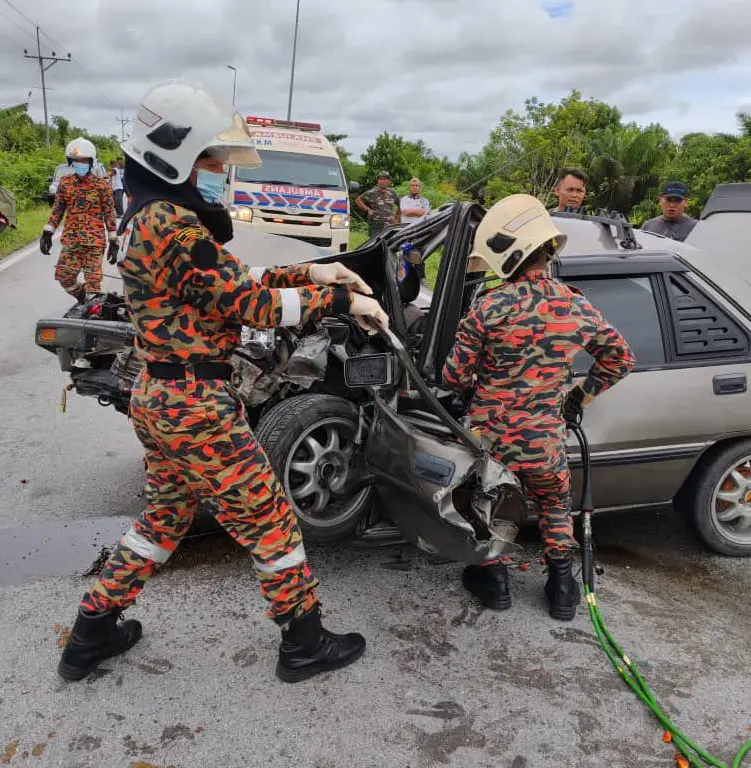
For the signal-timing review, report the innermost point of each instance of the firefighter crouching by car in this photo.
(88, 206)
(514, 352)
(189, 298)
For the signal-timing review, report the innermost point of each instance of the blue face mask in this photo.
(81, 169)
(210, 185)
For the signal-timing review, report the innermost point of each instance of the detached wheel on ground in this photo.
(309, 442)
(720, 504)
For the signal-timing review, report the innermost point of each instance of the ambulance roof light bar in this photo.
(271, 121)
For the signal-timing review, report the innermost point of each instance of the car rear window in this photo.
(629, 304)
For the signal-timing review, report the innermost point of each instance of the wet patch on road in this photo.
(41, 550)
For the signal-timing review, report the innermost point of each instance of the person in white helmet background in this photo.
(86, 202)
(514, 353)
(189, 298)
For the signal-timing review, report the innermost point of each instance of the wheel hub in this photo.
(731, 506)
(318, 472)
(332, 470)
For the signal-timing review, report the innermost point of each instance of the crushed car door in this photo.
(440, 486)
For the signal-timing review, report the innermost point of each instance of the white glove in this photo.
(364, 306)
(338, 274)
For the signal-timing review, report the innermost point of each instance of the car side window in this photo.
(702, 329)
(629, 304)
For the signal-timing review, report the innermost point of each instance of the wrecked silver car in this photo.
(356, 426)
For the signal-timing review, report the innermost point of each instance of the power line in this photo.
(123, 122)
(23, 15)
(17, 25)
(42, 69)
(83, 75)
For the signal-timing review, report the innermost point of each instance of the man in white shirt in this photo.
(116, 180)
(413, 206)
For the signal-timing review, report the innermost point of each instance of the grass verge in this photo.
(30, 224)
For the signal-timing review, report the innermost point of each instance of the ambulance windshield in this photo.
(293, 169)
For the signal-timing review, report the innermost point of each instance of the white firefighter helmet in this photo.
(177, 121)
(80, 149)
(512, 231)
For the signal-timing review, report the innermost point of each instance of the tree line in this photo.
(26, 162)
(626, 163)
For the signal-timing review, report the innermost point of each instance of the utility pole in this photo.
(234, 82)
(294, 54)
(42, 69)
(123, 122)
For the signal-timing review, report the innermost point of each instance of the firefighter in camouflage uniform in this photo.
(189, 298)
(514, 353)
(87, 203)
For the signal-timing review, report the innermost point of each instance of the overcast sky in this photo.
(437, 69)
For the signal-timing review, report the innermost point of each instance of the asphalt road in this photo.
(443, 682)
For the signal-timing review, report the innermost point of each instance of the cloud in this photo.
(436, 69)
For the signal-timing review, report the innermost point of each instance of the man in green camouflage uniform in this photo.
(514, 353)
(380, 204)
(189, 298)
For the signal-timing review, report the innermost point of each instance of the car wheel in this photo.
(721, 503)
(309, 442)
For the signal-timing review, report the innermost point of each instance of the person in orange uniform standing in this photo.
(87, 204)
(189, 298)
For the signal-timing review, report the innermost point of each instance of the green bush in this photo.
(25, 174)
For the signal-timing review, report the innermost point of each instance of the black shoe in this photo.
(561, 589)
(488, 583)
(308, 649)
(94, 638)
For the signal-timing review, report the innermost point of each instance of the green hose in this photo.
(697, 756)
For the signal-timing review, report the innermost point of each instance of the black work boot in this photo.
(562, 590)
(308, 649)
(488, 583)
(94, 638)
(80, 295)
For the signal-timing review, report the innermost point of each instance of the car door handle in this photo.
(729, 384)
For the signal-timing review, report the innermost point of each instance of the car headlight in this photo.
(245, 213)
(339, 221)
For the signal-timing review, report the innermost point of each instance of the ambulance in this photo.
(299, 190)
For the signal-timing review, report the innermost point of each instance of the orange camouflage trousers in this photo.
(74, 259)
(548, 488)
(199, 446)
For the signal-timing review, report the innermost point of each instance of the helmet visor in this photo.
(234, 145)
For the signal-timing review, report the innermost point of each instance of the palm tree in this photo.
(625, 162)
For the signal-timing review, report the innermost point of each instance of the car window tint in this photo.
(629, 304)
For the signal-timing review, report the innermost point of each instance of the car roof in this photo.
(717, 249)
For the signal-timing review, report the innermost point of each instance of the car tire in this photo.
(298, 431)
(713, 514)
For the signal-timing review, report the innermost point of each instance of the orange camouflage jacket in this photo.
(515, 351)
(189, 297)
(89, 209)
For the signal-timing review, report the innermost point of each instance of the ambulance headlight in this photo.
(245, 213)
(339, 221)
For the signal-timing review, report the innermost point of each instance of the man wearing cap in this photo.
(414, 206)
(381, 204)
(673, 223)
